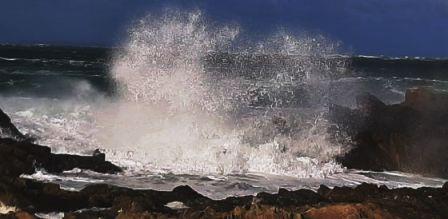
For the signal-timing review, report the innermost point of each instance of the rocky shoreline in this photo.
(106, 201)
(372, 127)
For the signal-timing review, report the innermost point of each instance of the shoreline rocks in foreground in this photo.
(25, 198)
(411, 136)
(106, 201)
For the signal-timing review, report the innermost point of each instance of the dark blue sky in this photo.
(368, 27)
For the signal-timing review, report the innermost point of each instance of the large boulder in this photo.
(411, 136)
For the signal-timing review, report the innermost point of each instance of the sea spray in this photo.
(275, 111)
(175, 115)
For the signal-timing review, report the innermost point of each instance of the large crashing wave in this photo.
(176, 114)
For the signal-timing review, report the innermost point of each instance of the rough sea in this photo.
(180, 102)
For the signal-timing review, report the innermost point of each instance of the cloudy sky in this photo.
(367, 27)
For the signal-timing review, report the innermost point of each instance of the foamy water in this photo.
(257, 126)
(178, 116)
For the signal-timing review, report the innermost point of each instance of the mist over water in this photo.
(175, 114)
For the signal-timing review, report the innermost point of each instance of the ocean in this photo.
(180, 103)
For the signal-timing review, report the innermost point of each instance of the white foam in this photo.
(176, 205)
(222, 186)
(5, 209)
(8, 59)
(175, 117)
(42, 175)
(51, 215)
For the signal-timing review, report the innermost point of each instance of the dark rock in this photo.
(7, 129)
(364, 201)
(91, 214)
(286, 198)
(56, 163)
(427, 100)
(368, 103)
(323, 190)
(18, 215)
(410, 137)
(188, 196)
(98, 154)
(33, 196)
(348, 120)
(445, 187)
(231, 203)
(18, 158)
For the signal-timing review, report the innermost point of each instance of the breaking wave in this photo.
(176, 113)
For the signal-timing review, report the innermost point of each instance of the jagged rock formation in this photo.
(411, 136)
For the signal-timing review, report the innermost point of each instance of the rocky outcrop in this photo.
(18, 155)
(7, 129)
(426, 100)
(106, 201)
(411, 136)
(18, 158)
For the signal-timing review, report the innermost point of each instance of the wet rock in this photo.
(409, 137)
(323, 190)
(98, 154)
(368, 103)
(286, 198)
(347, 194)
(426, 100)
(35, 197)
(101, 200)
(445, 187)
(346, 119)
(19, 157)
(56, 163)
(7, 129)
